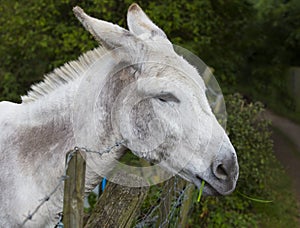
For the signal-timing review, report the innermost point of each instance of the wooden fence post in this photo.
(117, 206)
(74, 191)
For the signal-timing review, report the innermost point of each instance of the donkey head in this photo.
(164, 114)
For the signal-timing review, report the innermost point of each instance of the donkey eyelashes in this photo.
(162, 99)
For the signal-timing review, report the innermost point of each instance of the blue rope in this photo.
(103, 184)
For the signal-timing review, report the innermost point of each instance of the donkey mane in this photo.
(63, 74)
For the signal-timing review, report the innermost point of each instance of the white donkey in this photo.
(145, 94)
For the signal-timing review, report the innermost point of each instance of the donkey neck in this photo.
(46, 130)
(52, 128)
(99, 132)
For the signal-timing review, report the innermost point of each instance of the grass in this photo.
(132, 160)
(200, 191)
(283, 212)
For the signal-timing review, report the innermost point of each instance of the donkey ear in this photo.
(138, 22)
(108, 34)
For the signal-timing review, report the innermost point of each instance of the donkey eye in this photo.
(167, 97)
(162, 99)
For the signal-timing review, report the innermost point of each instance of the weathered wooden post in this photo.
(74, 190)
(118, 205)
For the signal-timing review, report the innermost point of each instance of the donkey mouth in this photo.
(208, 189)
(212, 185)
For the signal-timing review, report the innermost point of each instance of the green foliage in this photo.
(37, 36)
(276, 32)
(260, 174)
(207, 28)
(249, 43)
(92, 199)
(9, 88)
(251, 138)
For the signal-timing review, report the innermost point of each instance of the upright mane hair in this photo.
(64, 74)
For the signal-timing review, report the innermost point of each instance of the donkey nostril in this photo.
(221, 172)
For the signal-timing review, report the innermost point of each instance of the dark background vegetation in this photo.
(250, 44)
